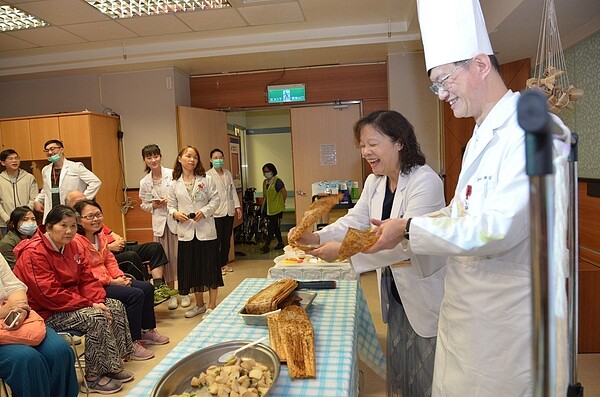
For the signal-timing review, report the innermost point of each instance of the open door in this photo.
(323, 148)
(204, 129)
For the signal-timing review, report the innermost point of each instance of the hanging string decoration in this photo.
(550, 66)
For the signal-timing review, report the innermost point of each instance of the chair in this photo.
(69, 335)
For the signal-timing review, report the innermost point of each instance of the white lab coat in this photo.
(421, 285)
(227, 193)
(73, 176)
(205, 199)
(484, 345)
(160, 216)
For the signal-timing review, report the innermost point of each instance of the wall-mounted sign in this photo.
(286, 93)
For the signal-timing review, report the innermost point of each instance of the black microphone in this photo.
(192, 215)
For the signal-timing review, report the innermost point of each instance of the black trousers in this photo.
(274, 228)
(132, 257)
(138, 300)
(224, 227)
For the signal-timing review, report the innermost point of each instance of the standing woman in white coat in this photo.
(192, 201)
(401, 185)
(153, 193)
(230, 205)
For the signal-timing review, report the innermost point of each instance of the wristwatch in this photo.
(407, 229)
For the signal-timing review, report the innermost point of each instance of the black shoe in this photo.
(279, 246)
(265, 248)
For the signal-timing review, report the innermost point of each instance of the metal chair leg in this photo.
(79, 361)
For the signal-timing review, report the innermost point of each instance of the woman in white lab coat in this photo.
(401, 185)
(192, 201)
(153, 194)
(230, 205)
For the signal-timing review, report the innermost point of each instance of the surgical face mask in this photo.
(217, 163)
(54, 158)
(28, 228)
(268, 175)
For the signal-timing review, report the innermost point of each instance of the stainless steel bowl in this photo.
(177, 379)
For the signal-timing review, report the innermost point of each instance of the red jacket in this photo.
(102, 262)
(56, 282)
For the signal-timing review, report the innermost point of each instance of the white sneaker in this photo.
(185, 301)
(206, 313)
(194, 311)
(173, 303)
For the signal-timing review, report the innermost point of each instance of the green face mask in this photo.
(217, 163)
(54, 158)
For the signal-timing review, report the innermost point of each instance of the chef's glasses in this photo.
(439, 85)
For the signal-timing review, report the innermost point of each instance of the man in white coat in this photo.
(62, 176)
(484, 345)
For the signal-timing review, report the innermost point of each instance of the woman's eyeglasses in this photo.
(90, 217)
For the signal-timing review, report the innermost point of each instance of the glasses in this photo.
(52, 149)
(439, 86)
(90, 217)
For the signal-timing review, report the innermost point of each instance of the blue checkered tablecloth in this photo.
(339, 316)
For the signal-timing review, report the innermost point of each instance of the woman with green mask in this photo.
(230, 205)
(274, 195)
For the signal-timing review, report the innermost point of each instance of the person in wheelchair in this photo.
(137, 296)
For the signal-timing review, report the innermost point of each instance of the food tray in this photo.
(261, 319)
(177, 379)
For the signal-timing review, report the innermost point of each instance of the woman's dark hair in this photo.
(5, 153)
(79, 207)
(270, 167)
(216, 150)
(17, 216)
(178, 170)
(398, 129)
(150, 150)
(58, 213)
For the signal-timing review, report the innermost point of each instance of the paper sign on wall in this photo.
(328, 154)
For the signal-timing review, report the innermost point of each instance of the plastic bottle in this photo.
(344, 191)
(355, 194)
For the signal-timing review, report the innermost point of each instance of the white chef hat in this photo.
(452, 30)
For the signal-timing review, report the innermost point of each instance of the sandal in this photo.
(110, 387)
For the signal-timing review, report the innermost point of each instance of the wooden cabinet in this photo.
(15, 135)
(41, 131)
(88, 137)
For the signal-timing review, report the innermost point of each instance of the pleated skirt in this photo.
(198, 268)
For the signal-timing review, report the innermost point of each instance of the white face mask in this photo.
(28, 228)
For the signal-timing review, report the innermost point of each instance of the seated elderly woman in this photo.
(64, 291)
(21, 225)
(47, 369)
(137, 296)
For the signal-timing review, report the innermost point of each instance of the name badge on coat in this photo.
(199, 196)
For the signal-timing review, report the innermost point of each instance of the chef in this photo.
(484, 345)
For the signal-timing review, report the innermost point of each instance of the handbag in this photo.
(31, 333)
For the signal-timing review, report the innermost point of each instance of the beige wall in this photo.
(146, 101)
(410, 95)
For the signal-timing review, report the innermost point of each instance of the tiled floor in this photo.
(173, 324)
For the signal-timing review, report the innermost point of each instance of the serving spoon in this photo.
(225, 357)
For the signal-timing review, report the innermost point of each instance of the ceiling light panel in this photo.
(134, 8)
(14, 19)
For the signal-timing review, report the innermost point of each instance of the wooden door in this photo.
(15, 135)
(314, 131)
(42, 130)
(204, 129)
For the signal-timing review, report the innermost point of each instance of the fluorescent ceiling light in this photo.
(14, 19)
(134, 8)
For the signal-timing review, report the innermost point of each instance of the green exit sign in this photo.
(286, 93)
